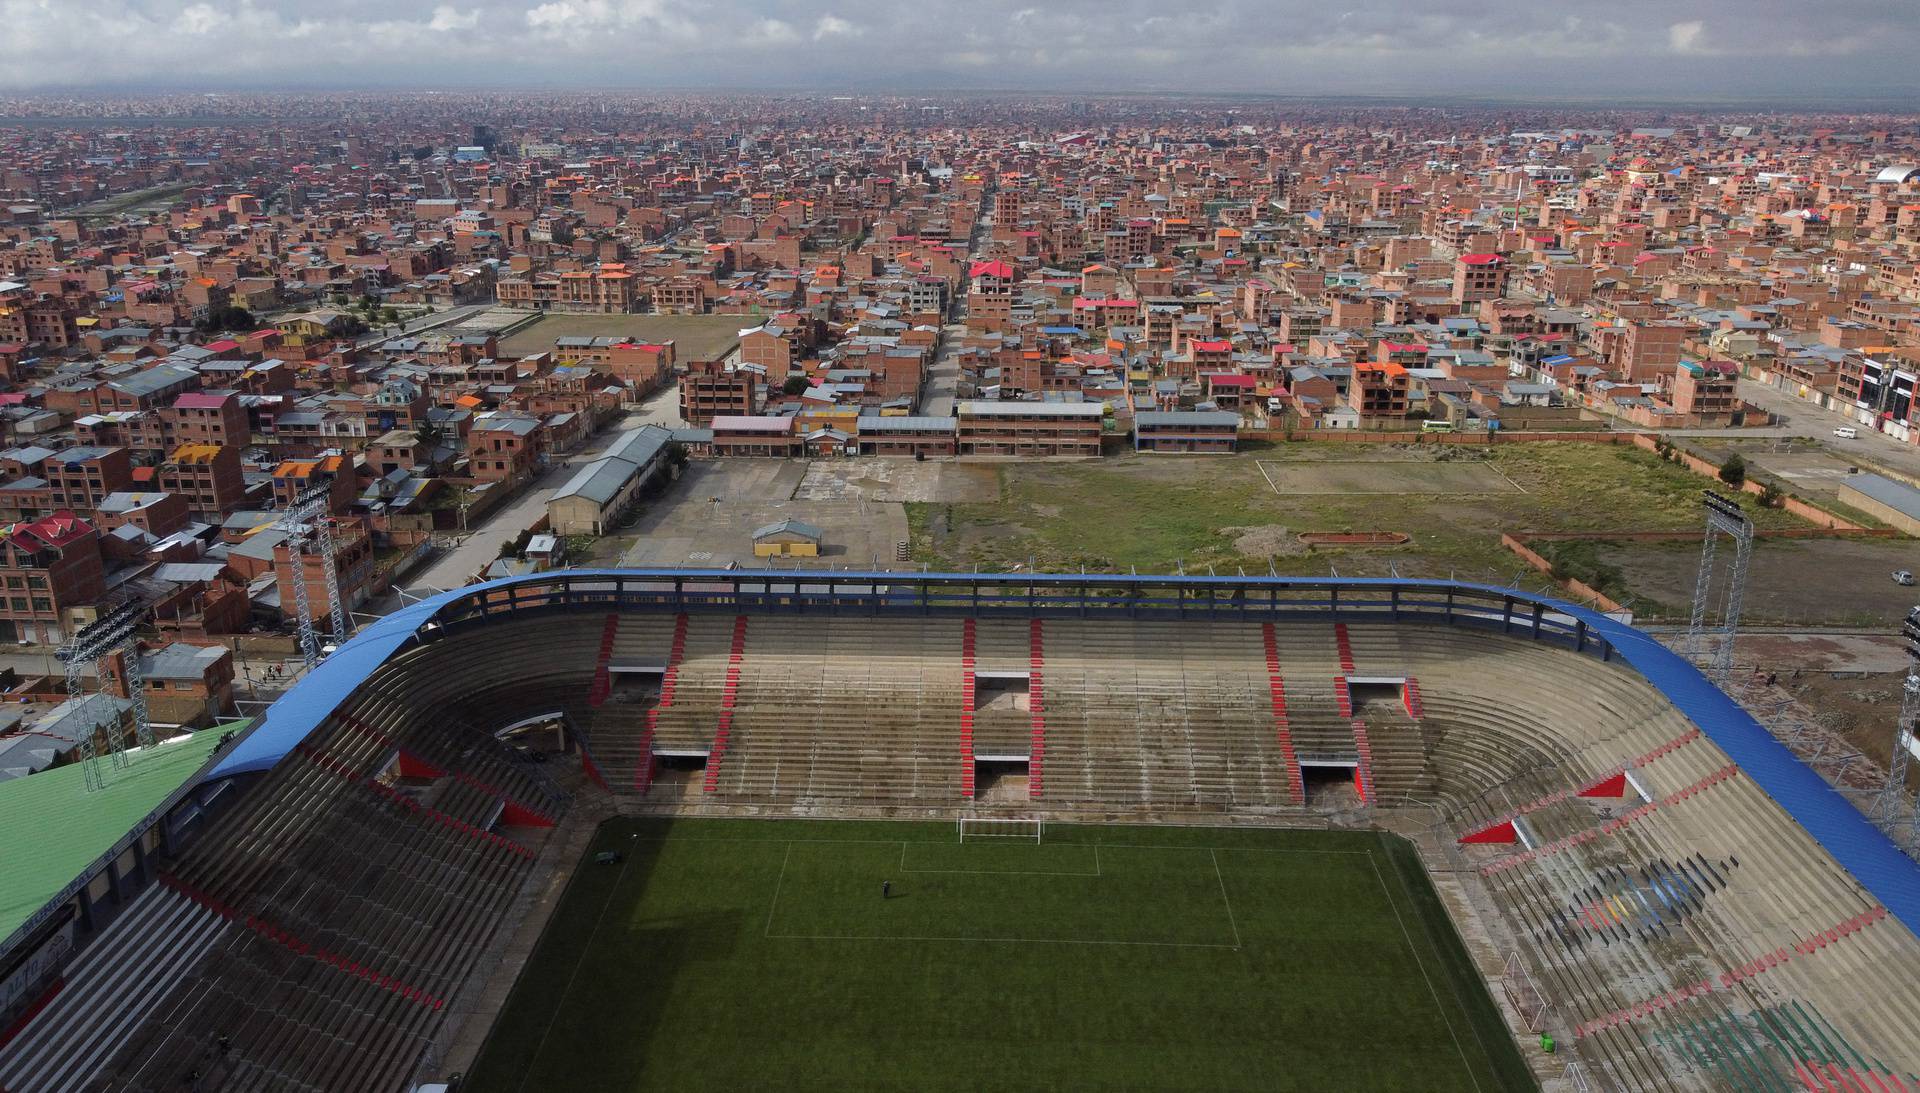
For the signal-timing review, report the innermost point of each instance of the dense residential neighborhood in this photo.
(408, 320)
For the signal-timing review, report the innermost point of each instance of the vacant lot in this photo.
(898, 480)
(1153, 512)
(1818, 581)
(730, 954)
(695, 337)
(708, 517)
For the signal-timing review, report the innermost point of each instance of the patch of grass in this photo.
(1151, 512)
(739, 954)
(695, 337)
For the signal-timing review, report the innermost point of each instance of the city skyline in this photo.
(1764, 52)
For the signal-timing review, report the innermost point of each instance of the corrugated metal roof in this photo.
(599, 481)
(986, 407)
(880, 424)
(1214, 418)
(1896, 495)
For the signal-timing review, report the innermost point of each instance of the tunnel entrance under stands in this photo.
(1330, 785)
(537, 737)
(1377, 694)
(679, 771)
(1001, 778)
(635, 684)
(1002, 690)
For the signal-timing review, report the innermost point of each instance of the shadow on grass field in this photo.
(1153, 512)
(725, 954)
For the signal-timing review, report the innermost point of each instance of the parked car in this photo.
(1846, 432)
(1902, 576)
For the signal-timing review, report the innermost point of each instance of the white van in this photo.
(1847, 432)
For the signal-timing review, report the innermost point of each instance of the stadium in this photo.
(762, 829)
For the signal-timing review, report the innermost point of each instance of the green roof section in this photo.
(54, 828)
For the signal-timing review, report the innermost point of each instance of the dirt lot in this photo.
(708, 517)
(898, 480)
(695, 337)
(1817, 581)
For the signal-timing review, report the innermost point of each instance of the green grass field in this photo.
(741, 954)
(1225, 512)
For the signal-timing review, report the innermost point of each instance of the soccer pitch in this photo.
(760, 954)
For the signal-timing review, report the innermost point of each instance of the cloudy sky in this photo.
(1537, 49)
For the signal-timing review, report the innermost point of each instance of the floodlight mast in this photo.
(308, 516)
(1893, 809)
(114, 630)
(1724, 517)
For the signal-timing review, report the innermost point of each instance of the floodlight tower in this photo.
(111, 631)
(1892, 809)
(1724, 517)
(308, 516)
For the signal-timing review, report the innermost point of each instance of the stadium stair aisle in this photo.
(729, 695)
(646, 765)
(602, 679)
(1037, 709)
(1277, 693)
(967, 765)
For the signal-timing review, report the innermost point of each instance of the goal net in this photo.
(998, 827)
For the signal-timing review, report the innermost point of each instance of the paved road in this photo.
(1800, 418)
(455, 566)
(943, 377)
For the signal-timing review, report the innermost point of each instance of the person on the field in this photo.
(886, 889)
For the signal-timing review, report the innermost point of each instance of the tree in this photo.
(1734, 471)
(389, 314)
(795, 384)
(429, 433)
(1771, 495)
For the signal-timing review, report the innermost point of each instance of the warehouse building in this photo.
(603, 491)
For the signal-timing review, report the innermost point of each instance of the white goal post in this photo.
(999, 827)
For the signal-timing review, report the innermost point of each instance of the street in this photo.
(481, 544)
(1801, 418)
(943, 376)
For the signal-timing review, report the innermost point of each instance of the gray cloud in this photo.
(1540, 49)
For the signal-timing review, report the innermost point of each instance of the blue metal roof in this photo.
(1861, 848)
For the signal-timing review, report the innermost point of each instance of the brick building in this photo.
(1029, 428)
(53, 573)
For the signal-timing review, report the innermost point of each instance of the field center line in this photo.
(1422, 965)
(775, 901)
(1224, 898)
(575, 974)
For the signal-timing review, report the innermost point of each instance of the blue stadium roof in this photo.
(1861, 848)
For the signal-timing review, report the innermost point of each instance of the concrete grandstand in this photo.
(1699, 909)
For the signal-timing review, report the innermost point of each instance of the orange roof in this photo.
(195, 453)
(466, 400)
